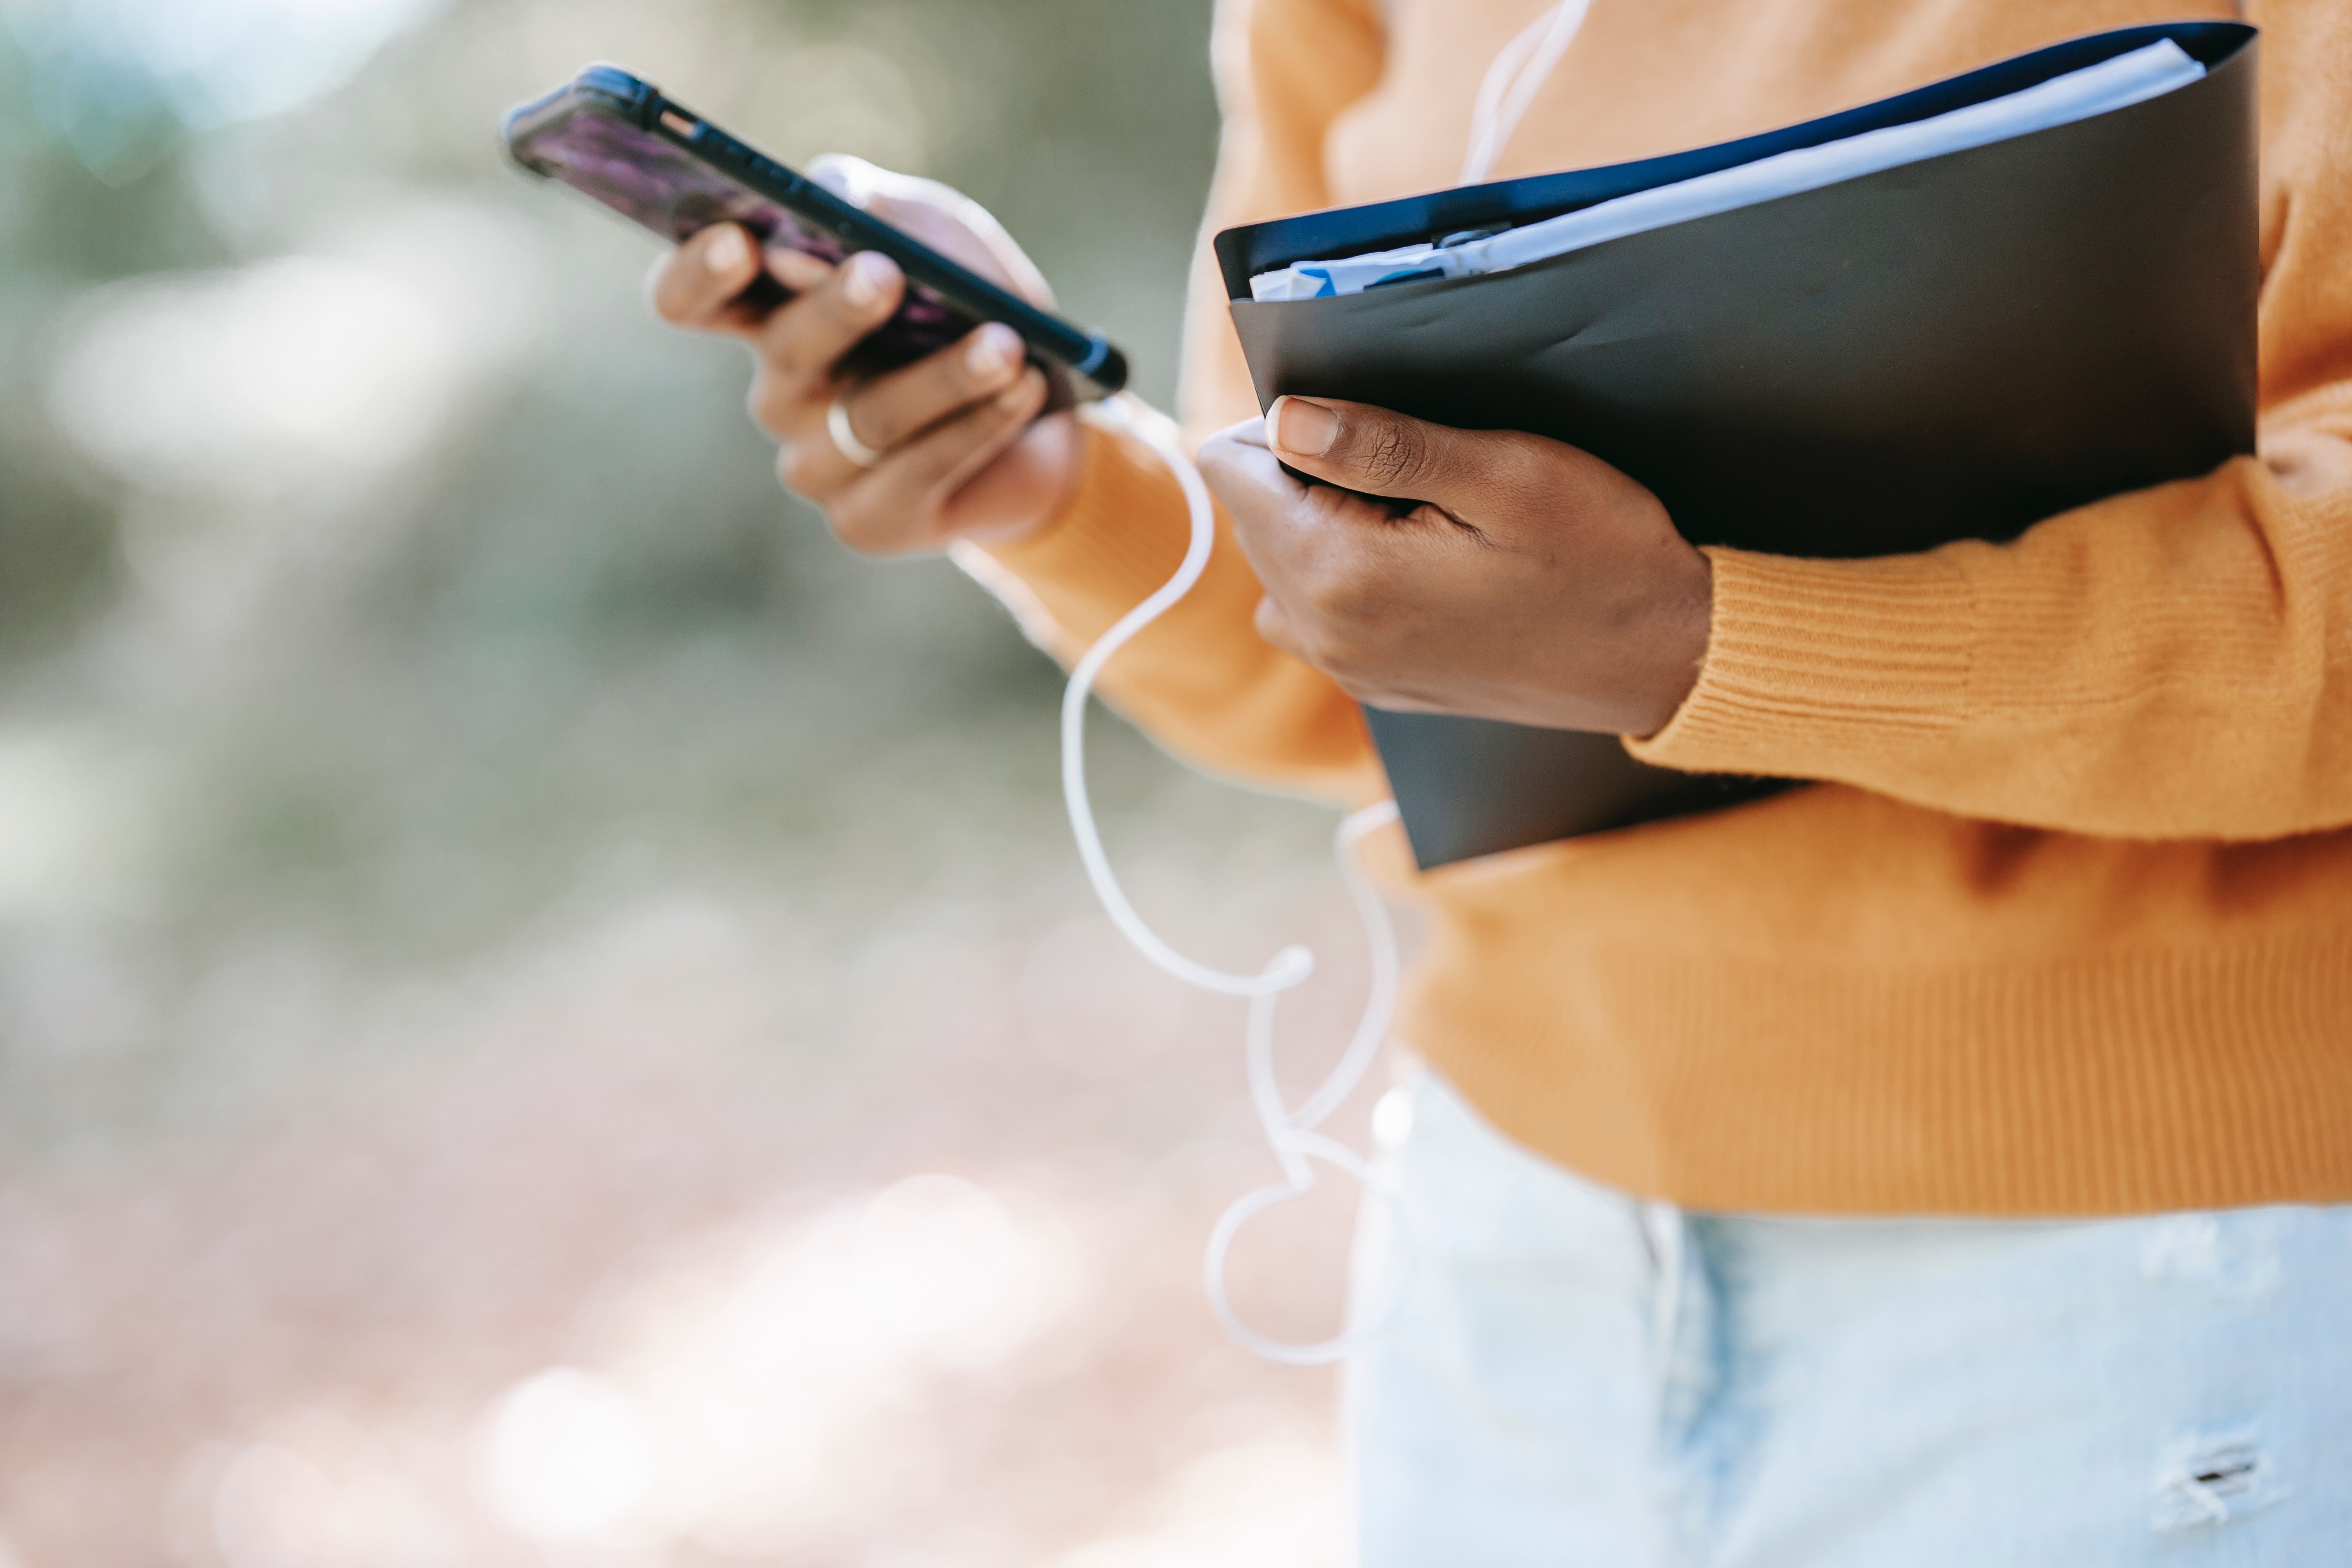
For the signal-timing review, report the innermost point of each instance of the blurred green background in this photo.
(547, 1013)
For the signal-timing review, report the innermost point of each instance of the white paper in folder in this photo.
(2110, 85)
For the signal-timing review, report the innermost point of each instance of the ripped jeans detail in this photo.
(1583, 1377)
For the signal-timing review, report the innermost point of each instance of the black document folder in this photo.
(1954, 348)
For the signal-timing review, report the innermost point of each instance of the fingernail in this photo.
(1302, 428)
(993, 351)
(727, 251)
(869, 271)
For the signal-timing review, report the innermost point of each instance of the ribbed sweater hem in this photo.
(2118, 1083)
(1097, 554)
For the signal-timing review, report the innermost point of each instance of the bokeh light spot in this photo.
(934, 1254)
(568, 1456)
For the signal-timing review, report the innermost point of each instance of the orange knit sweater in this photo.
(2065, 927)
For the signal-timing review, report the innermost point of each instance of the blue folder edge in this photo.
(1246, 251)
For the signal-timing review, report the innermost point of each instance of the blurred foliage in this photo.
(582, 602)
(486, 882)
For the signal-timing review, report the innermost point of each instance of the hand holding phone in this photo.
(965, 449)
(906, 350)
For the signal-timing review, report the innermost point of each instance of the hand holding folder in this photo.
(1956, 347)
(1461, 597)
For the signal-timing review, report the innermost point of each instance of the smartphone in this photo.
(617, 139)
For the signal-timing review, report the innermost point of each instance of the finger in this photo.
(1327, 559)
(888, 413)
(939, 216)
(900, 506)
(1376, 451)
(884, 415)
(799, 345)
(797, 270)
(935, 465)
(1245, 474)
(694, 285)
(812, 466)
(804, 340)
(1281, 525)
(1279, 631)
(892, 409)
(1274, 626)
(1249, 432)
(1298, 540)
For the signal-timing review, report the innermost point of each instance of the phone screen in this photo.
(674, 193)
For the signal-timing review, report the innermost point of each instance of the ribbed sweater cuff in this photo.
(1120, 537)
(1814, 667)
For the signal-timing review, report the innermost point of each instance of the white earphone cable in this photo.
(1518, 72)
(1290, 1132)
(1511, 83)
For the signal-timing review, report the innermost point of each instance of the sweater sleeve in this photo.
(2172, 663)
(1200, 679)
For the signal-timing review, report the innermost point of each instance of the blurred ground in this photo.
(547, 1015)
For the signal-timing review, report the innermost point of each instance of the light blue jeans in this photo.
(1574, 1377)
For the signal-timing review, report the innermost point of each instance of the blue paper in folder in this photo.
(1946, 315)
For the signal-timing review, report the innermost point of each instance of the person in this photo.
(1948, 1160)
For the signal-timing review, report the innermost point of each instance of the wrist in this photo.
(1119, 533)
(1040, 477)
(1674, 645)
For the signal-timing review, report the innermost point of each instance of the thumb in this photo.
(939, 216)
(1376, 451)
